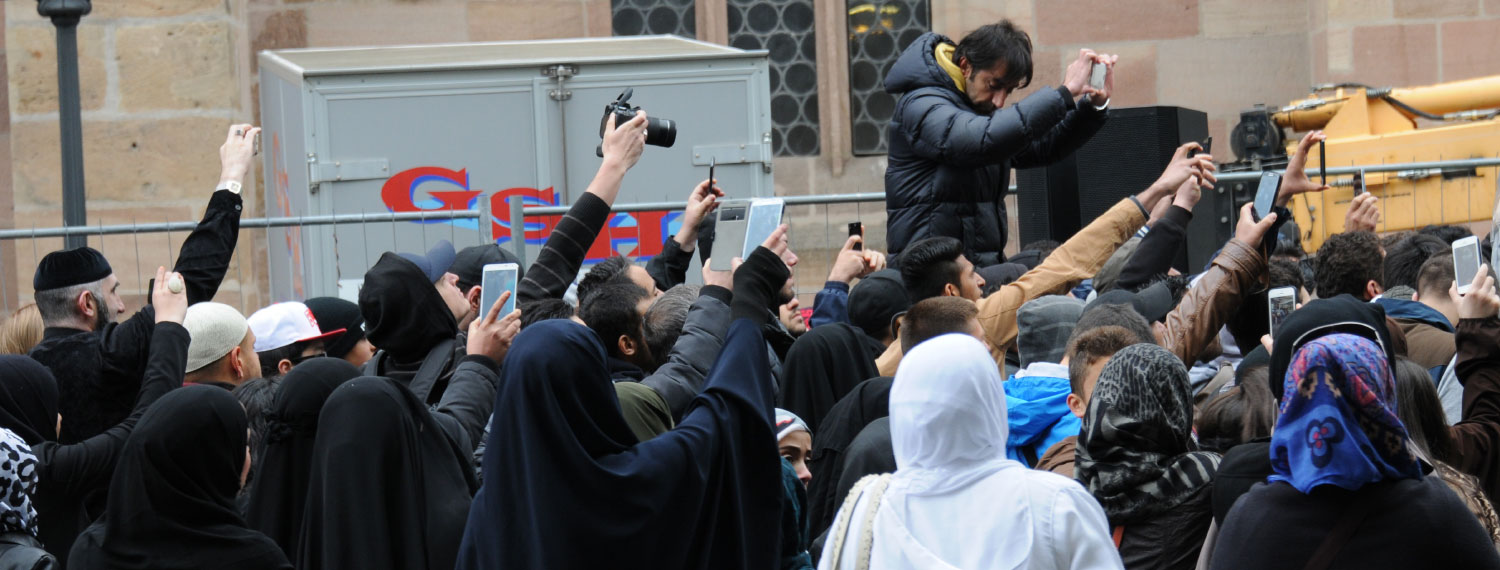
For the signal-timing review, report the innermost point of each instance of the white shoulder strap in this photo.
(840, 533)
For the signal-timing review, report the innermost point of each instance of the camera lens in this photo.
(661, 132)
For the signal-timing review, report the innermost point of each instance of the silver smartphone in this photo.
(729, 234)
(1465, 263)
(1096, 80)
(498, 278)
(1281, 301)
(765, 216)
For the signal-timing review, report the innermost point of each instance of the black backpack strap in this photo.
(432, 368)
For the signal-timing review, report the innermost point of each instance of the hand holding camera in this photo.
(623, 144)
(622, 120)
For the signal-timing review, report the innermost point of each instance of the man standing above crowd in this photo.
(953, 142)
(99, 363)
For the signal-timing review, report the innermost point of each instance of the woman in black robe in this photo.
(823, 366)
(567, 485)
(279, 490)
(171, 500)
(390, 485)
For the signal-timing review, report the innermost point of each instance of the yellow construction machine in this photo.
(1383, 126)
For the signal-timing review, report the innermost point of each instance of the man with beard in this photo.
(99, 363)
(953, 141)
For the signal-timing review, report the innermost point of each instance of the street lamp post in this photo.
(65, 14)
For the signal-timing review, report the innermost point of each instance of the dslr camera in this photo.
(659, 132)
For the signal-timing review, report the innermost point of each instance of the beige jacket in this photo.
(1077, 259)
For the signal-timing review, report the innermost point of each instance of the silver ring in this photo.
(239, 133)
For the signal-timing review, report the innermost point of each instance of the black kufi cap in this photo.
(70, 267)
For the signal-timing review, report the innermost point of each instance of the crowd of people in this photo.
(1082, 404)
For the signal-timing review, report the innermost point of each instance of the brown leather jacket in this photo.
(1216, 297)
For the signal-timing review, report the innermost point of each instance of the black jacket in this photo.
(949, 165)
(1171, 540)
(67, 473)
(1410, 523)
(99, 372)
(20, 551)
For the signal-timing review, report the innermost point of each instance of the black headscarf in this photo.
(824, 365)
(388, 488)
(867, 402)
(171, 500)
(1341, 314)
(279, 491)
(28, 399)
(404, 314)
(566, 486)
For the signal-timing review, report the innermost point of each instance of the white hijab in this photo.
(955, 501)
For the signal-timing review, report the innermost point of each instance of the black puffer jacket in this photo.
(949, 165)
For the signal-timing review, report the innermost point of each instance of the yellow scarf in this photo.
(944, 55)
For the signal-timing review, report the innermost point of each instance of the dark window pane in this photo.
(879, 30)
(654, 17)
(785, 29)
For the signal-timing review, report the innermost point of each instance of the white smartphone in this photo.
(1282, 301)
(498, 278)
(1096, 80)
(1465, 262)
(765, 216)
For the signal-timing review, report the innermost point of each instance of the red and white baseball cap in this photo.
(285, 324)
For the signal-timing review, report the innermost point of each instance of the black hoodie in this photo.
(406, 319)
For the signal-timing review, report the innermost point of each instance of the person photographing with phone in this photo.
(953, 141)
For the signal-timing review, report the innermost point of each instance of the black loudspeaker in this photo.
(1123, 158)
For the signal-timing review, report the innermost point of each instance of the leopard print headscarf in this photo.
(18, 475)
(1136, 453)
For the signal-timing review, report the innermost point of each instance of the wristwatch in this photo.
(232, 186)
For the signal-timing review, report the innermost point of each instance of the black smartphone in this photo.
(1322, 163)
(1265, 195)
(711, 164)
(857, 229)
(1208, 147)
(1359, 183)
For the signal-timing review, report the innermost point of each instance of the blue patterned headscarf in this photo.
(1338, 422)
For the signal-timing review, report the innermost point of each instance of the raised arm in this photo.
(1477, 436)
(1238, 271)
(831, 305)
(681, 377)
(1083, 254)
(941, 130)
(470, 396)
(205, 254)
(1167, 237)
(560, 258)
(88, 464)
(669, 268)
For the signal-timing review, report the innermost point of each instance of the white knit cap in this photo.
(216, 329)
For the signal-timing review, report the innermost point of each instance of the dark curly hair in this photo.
(1346, 263)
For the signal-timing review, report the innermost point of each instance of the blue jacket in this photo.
(831, 305)
(949, 165)
(1414, 311)
(1037, 407)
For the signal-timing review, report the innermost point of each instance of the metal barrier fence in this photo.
(803, 214)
